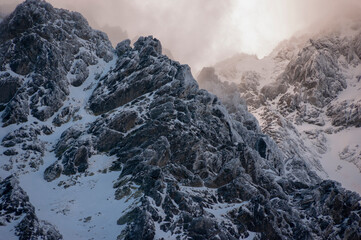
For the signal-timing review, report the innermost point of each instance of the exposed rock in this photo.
(273, 90)
(352, 153)
(249, 89)
(25, 150)
(117, 89)
(65, 115)
(122, 47)
(10, 152)
(34, 43)
(80, 72)
(53, 172)
(191, 165)
(308, 91)
(8, 87)
(47, 130)
(142, 227)
(14, 205)
(180, 133)
(317, 72)
(73, 152)
(345, 114)
(305, 92)
(81, 159)
(124, 121)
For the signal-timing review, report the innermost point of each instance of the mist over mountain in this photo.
(103, 142)
(305, 95)
(207, 31)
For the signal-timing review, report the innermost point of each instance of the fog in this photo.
(203, 32)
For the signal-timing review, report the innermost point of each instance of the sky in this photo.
(203, 32)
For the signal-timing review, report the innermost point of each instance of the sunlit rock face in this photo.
(306, 96)
(178, 161)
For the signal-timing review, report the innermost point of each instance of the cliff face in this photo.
(306, 96)
(43, 50)
(124, 144)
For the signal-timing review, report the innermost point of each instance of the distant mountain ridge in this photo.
(306, 96)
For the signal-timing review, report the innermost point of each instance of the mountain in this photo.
(103, 143)
(306, 96)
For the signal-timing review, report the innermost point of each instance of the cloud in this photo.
(202, 32)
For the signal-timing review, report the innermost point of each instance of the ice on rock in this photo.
(125, 145)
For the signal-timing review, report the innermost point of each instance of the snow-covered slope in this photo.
(306, 96)
(103, 143)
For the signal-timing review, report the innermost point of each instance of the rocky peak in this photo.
(180, 162)
(150, 45)
(317, 71)
(25, 16)
(309, 102)
(40, 45)
(137, 72)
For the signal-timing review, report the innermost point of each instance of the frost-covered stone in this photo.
(15, 205)
(316, 71)
(24, 149)
(53, 172)
(44, 44)
(80, 72)
(8, 87)
(189, 164)
(119, 86)
(352, 154)
(122, 47)
(180, 137)
(65, 115)
(307, 97)
(73, 152)
(345, 114)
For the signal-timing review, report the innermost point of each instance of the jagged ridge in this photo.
(192, 169)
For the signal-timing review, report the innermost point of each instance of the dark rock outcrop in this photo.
(41, 50)
(24, 148)
(15, 205)
(72, 153)
(194, 165)
(121, 87)
(345, 114)
(170, 138)
(8, 87)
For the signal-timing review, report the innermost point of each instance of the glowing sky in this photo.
(202, 32)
